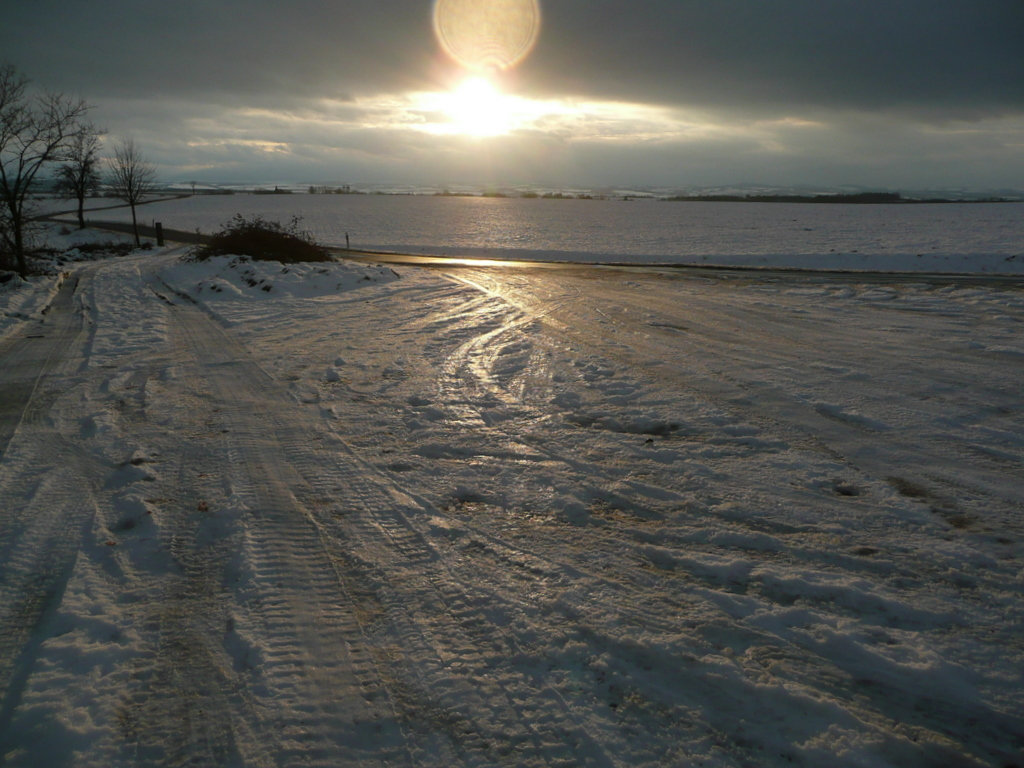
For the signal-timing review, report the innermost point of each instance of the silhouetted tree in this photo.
(132, 177)
(79, 176)
(34, 130)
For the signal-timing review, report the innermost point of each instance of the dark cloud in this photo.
(895, 90)
(234, 49)
(956, 56)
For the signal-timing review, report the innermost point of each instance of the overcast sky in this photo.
(899, 94)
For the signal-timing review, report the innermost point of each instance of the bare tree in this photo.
(133, 177)
(79, 176)
(34, 130)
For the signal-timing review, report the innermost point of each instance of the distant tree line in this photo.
(527, 195)
(324, 190)
(868, 198)
(858, 197)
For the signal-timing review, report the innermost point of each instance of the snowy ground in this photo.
(344, 515)
(22, 300)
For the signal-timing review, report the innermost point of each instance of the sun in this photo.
(476, 107)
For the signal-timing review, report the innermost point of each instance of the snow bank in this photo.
(22, 300)
(226, 279)
(65, 238)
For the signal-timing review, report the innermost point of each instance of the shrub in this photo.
(263, 240)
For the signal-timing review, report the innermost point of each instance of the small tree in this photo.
(79, 176)
(132, 177)
(34, 131)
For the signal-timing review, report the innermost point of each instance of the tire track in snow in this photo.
(467, 370)
(728, 338)
(625, 583)
(116, 564)
(463, 652)
(579, 602)
(187, 700)
(33, 355)
(319, 697)
(440, 661)
(47, 510)
(471, 388)
(497, 606)
(471, 369)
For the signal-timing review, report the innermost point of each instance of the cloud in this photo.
(665, 92)
(233, 49)
(962, 57)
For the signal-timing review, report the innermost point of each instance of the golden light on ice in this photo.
(487, 35)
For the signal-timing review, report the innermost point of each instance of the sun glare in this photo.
(487, 36)
(477, 108)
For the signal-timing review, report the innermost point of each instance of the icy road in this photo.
(340, 516)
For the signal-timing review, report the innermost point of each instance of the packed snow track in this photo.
(523, 517)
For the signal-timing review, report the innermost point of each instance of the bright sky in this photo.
(906, 94)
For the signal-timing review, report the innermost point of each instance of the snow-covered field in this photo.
(346, 515)
(951, 238)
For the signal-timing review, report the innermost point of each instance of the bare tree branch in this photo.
(79, 176)
(34, 131)
(132, 177)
